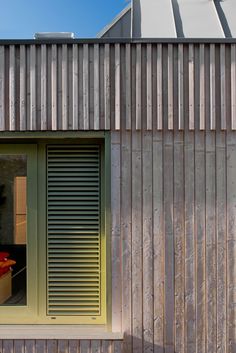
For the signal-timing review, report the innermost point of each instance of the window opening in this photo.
(13, 237)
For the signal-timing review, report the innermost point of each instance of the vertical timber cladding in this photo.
(74, 243)
(62, 346)
(88, 86)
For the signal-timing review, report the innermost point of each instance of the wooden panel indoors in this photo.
(88, 86)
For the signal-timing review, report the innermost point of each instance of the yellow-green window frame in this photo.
(42, 244)
(35, 311)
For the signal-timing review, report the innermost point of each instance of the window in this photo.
(52, 225)
(18, 284)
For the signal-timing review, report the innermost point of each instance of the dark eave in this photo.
(118, 40)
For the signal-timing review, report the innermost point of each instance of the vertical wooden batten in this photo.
(147, 241)
(210, 243)
(179, 241)
(158, 242)
(137, 243)
(190, 275)
(170, 88)
(221, 241)
(126, 235)
(128, 86)
(43, 88)
(233, 87)
(159, 87)
(180, 88)
(107, 86)
(64, 69)
(8, 346)
(230, 309)
(23, 88)
(117, 87)
(85, 87)
(222, 87)
(12, 97)
(85, 346)
(54, 87)
(138, 87)
(200, 234)
(149, 87)
(212, 88)
(75, 78)
(116, 230)
(168, 165)
(33, 88)
(202, 87)
(191, 87)
(96, 88)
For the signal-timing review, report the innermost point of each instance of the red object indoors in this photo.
(5, 263)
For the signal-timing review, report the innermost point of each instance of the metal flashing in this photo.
(161, 40)
(49, 35)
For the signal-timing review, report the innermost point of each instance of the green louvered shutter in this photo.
(74, 244)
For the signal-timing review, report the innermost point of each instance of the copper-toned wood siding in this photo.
(89, 86)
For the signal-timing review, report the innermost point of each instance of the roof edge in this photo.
(118, 41)
(114, 21)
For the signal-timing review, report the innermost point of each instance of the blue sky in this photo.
(20, 19)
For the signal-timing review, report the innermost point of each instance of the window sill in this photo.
(57, 332)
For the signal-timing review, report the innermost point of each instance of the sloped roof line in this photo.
(114, 21)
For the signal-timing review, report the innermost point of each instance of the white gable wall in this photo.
(153, 18)
(198, 18)
(174, 18)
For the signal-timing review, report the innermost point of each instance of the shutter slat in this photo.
(74, 254)
(77, 231)
(63, 242)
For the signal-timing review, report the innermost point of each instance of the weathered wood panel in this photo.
(179, 250)
(137, 244)
(80, 86)
(158, 243)
(221, 239)
(200, 234)
(126, 239)
(173, 244)
(116, 231)
(60, 346)
(173, 173)
(179, 242)
(147, 243)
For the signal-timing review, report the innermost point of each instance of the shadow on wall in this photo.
(133, 344)
(136, 19)
(178, 19)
